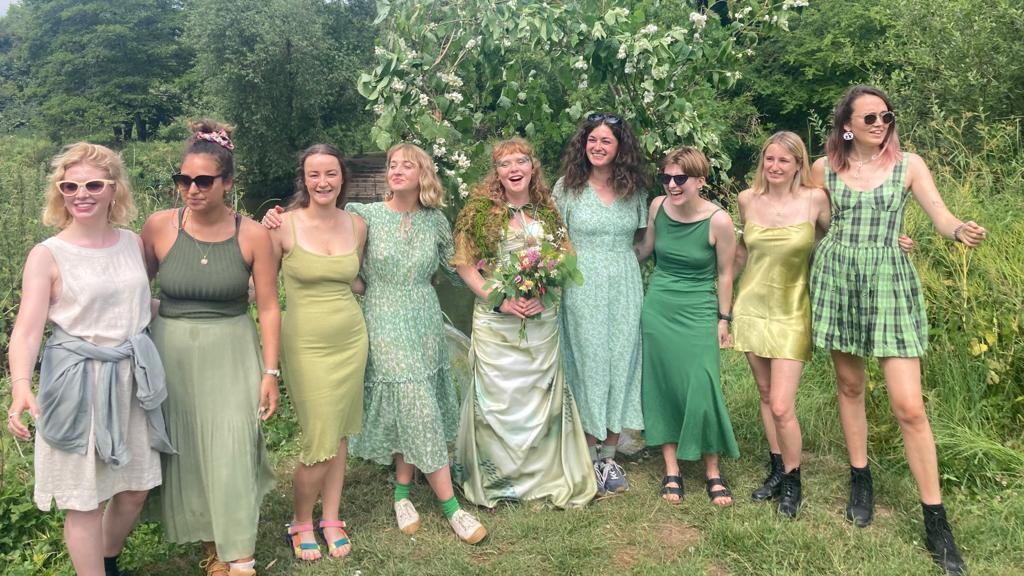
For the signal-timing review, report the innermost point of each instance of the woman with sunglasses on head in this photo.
(323, 337)
(221, 382)
(602, 196)
(685, 322)
(410, 405)
(99, 422)
(519, 436)
(867, 300)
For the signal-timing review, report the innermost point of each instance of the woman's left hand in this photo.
(269, 395)
(530, 307)
(906, 244)
(724, 338)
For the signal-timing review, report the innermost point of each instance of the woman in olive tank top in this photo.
(220, 384)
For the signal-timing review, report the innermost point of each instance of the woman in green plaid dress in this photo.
(867, 300)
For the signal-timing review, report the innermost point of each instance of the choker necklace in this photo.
(860, 163)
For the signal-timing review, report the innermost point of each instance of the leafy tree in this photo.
(96, 65)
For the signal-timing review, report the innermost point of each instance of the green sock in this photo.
(607, 452)
(450, 507)
(593, 452)
(401, 491)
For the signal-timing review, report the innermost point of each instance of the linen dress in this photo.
(520, 436)
(323, 345)
(866, 296)
(600, 320)
(410, 404)
(104, 300)
(682, 392)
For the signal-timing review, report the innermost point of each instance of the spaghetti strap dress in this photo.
(682, 392)
(214, 485)
(323, 347)
(866, 297)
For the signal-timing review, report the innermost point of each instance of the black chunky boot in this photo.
(861, 507)
(789, 499)
(773, 483)
(110, 566)
(938, 537)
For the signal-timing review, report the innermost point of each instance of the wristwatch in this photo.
(276, 373)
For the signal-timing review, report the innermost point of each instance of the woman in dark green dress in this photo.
(684, 323)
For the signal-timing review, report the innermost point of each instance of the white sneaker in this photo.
(407, 517)
(468, 528)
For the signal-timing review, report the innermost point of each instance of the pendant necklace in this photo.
(860, 163)
(203, 256)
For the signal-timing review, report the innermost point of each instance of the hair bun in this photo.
(207, 125)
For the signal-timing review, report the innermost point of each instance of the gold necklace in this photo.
(203, 256)
(860, 163)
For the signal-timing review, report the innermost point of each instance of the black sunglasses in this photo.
(888, 117)
(184, 182)
(606, 118)
(679, 179)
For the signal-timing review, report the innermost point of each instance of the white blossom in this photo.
(649, 29)
(648, 97)
(622, 52)
(441, 141)
(463, 189)
(629, 69)
(454, 97)
(659, 72)
(580, 64)
(740, 14)
(787, 4)
(698, 19)
(584, 84)
(424, 99)
(506, 42)
(440, 151)
(397, 85)
(460, 159)
(378, 109)
(378, 51)
(451, 79)
(473, 43)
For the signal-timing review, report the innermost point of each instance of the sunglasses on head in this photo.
(679, 179)
(184, 182)
(93, 187)
(888, 117)
(606, 118)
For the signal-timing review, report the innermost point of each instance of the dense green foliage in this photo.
(285, 72)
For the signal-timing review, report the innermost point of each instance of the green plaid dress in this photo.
(866, 298)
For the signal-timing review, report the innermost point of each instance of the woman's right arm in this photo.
(38, 284)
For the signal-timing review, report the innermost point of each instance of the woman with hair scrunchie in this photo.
(602, 198)
(519, 435)
(867, 300)
(96, 462)
(221, 382)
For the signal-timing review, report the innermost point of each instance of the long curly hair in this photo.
(838, 150)
(629, 168)
(300, 199)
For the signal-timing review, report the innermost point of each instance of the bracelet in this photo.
(725, 317)
(275, 372)
(956, 232)
(16, 380)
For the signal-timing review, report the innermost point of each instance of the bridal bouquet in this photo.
(533, 272)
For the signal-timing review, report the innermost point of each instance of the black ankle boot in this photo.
(773, 483)
(110, 566)
(789, 499)
(861, 507)
(938, 537)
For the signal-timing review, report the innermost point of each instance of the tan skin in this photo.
(684, 204)
(210, 220)
(902, 375)
(321, 228)
(90, 535)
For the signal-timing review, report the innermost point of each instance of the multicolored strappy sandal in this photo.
(294, 539)
(333, 547)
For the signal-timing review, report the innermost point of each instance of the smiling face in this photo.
(82, 205)
(677, 194)
(323, 178)
(780, 166)
(403, 173)
(601, 146)
(197, 199)
(514, 172)
(871, 134)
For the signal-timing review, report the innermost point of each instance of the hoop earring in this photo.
(847, 135)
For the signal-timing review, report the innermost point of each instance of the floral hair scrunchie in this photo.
(219, 137)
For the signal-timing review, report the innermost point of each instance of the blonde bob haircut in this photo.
(431, 190)
(122, 208)
(794, 146)
(692, 161)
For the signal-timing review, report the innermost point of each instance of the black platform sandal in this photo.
(676, 490)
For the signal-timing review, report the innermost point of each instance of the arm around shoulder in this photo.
(818, 173)
(645, 247)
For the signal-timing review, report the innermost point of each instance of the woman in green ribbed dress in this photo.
(220, 381)
(867, 300)
(323, 342)
(685, 323)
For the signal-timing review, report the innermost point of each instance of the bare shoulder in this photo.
(160, 217)
(656, 202)
(252, 231)
(721, 219)
(744, 197)
(39, 255)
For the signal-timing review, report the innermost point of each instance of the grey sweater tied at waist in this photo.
(66, 395)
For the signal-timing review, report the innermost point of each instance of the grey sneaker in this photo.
(614, 477)
(599, 476)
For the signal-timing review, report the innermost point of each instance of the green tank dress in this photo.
(323, 347)
(866, 298)
(682, 393)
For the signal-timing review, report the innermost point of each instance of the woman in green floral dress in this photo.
(602, 198)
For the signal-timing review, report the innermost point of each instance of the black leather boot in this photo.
(789, 498)
(110, 566)
(861, 507)
(773, 483)
(938, 537)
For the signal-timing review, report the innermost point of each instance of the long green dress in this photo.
(682, 392)
(601, 318)
(866, 297)
(323, 347)
(410, 405)
(520, 436)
